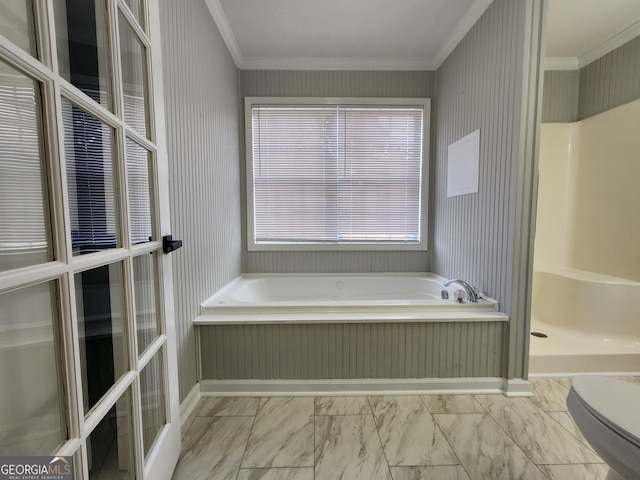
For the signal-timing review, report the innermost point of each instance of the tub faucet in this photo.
(472, 296)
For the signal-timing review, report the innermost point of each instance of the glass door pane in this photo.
(90, 179)
(24, 216)
(31, 411)
(145, 276)
(101, 330)
(17, 24)
(138, 169)
(83, 46)
(133, 55)
(153, 400)
(110, 445)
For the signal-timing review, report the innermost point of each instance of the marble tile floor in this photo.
(439, 437)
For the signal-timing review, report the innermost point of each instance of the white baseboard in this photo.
(516, 387)
(189, 403)
(427, 386)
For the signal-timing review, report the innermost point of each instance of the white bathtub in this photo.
(592, 322)
(301, 298)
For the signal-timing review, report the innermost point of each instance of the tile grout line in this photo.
(473, 398)
(511, 438)
(541, 472)
(315, 399)
(248, 437)
(384, 452)
(547, 412)
(572, 434)
(437, 425)
(195, 416)
(518, 446)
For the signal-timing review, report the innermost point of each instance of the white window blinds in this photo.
(337, 174)
(24, 222)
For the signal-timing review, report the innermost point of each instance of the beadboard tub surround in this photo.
(256, 342)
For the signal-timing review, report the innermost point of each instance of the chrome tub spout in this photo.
(472, 296)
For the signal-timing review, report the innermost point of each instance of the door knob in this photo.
(169, 244)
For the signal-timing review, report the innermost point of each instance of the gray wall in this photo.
(610, 81)
(560, 96)
(606, 83)
(480, 86)
(352, 351)
(202, 114)
(492, 82)
(256, 83)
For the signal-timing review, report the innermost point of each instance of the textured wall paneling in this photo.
(201, 98)
(485, 237)
(352, 351)
(480, 86)
(560, 96)
(610, 81)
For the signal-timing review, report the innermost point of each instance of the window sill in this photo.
(334, 247)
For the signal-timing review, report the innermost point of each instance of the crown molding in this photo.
(335, 63)
(462, 28)
(576, 63)
(225, 30)
(610, 45)
(561, 63)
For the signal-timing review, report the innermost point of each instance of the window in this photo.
(336, 174)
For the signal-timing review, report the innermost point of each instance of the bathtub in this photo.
(592, 322)
(320, 333)
(302, 298)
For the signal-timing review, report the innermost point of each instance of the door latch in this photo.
(169, 244)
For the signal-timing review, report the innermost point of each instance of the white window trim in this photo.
(424, 103)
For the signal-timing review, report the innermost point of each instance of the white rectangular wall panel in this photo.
(463, 165)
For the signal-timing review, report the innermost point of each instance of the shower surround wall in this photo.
(589, 218)
(278, 83)
(202, 114)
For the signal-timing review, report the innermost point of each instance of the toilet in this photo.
(607, 411)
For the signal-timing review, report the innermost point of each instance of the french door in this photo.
(87, 350)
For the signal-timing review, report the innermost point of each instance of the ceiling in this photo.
(402, 34)
(581, 31)
(354, 34)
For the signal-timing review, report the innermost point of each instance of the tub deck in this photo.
(265, 299)
(359, 316)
